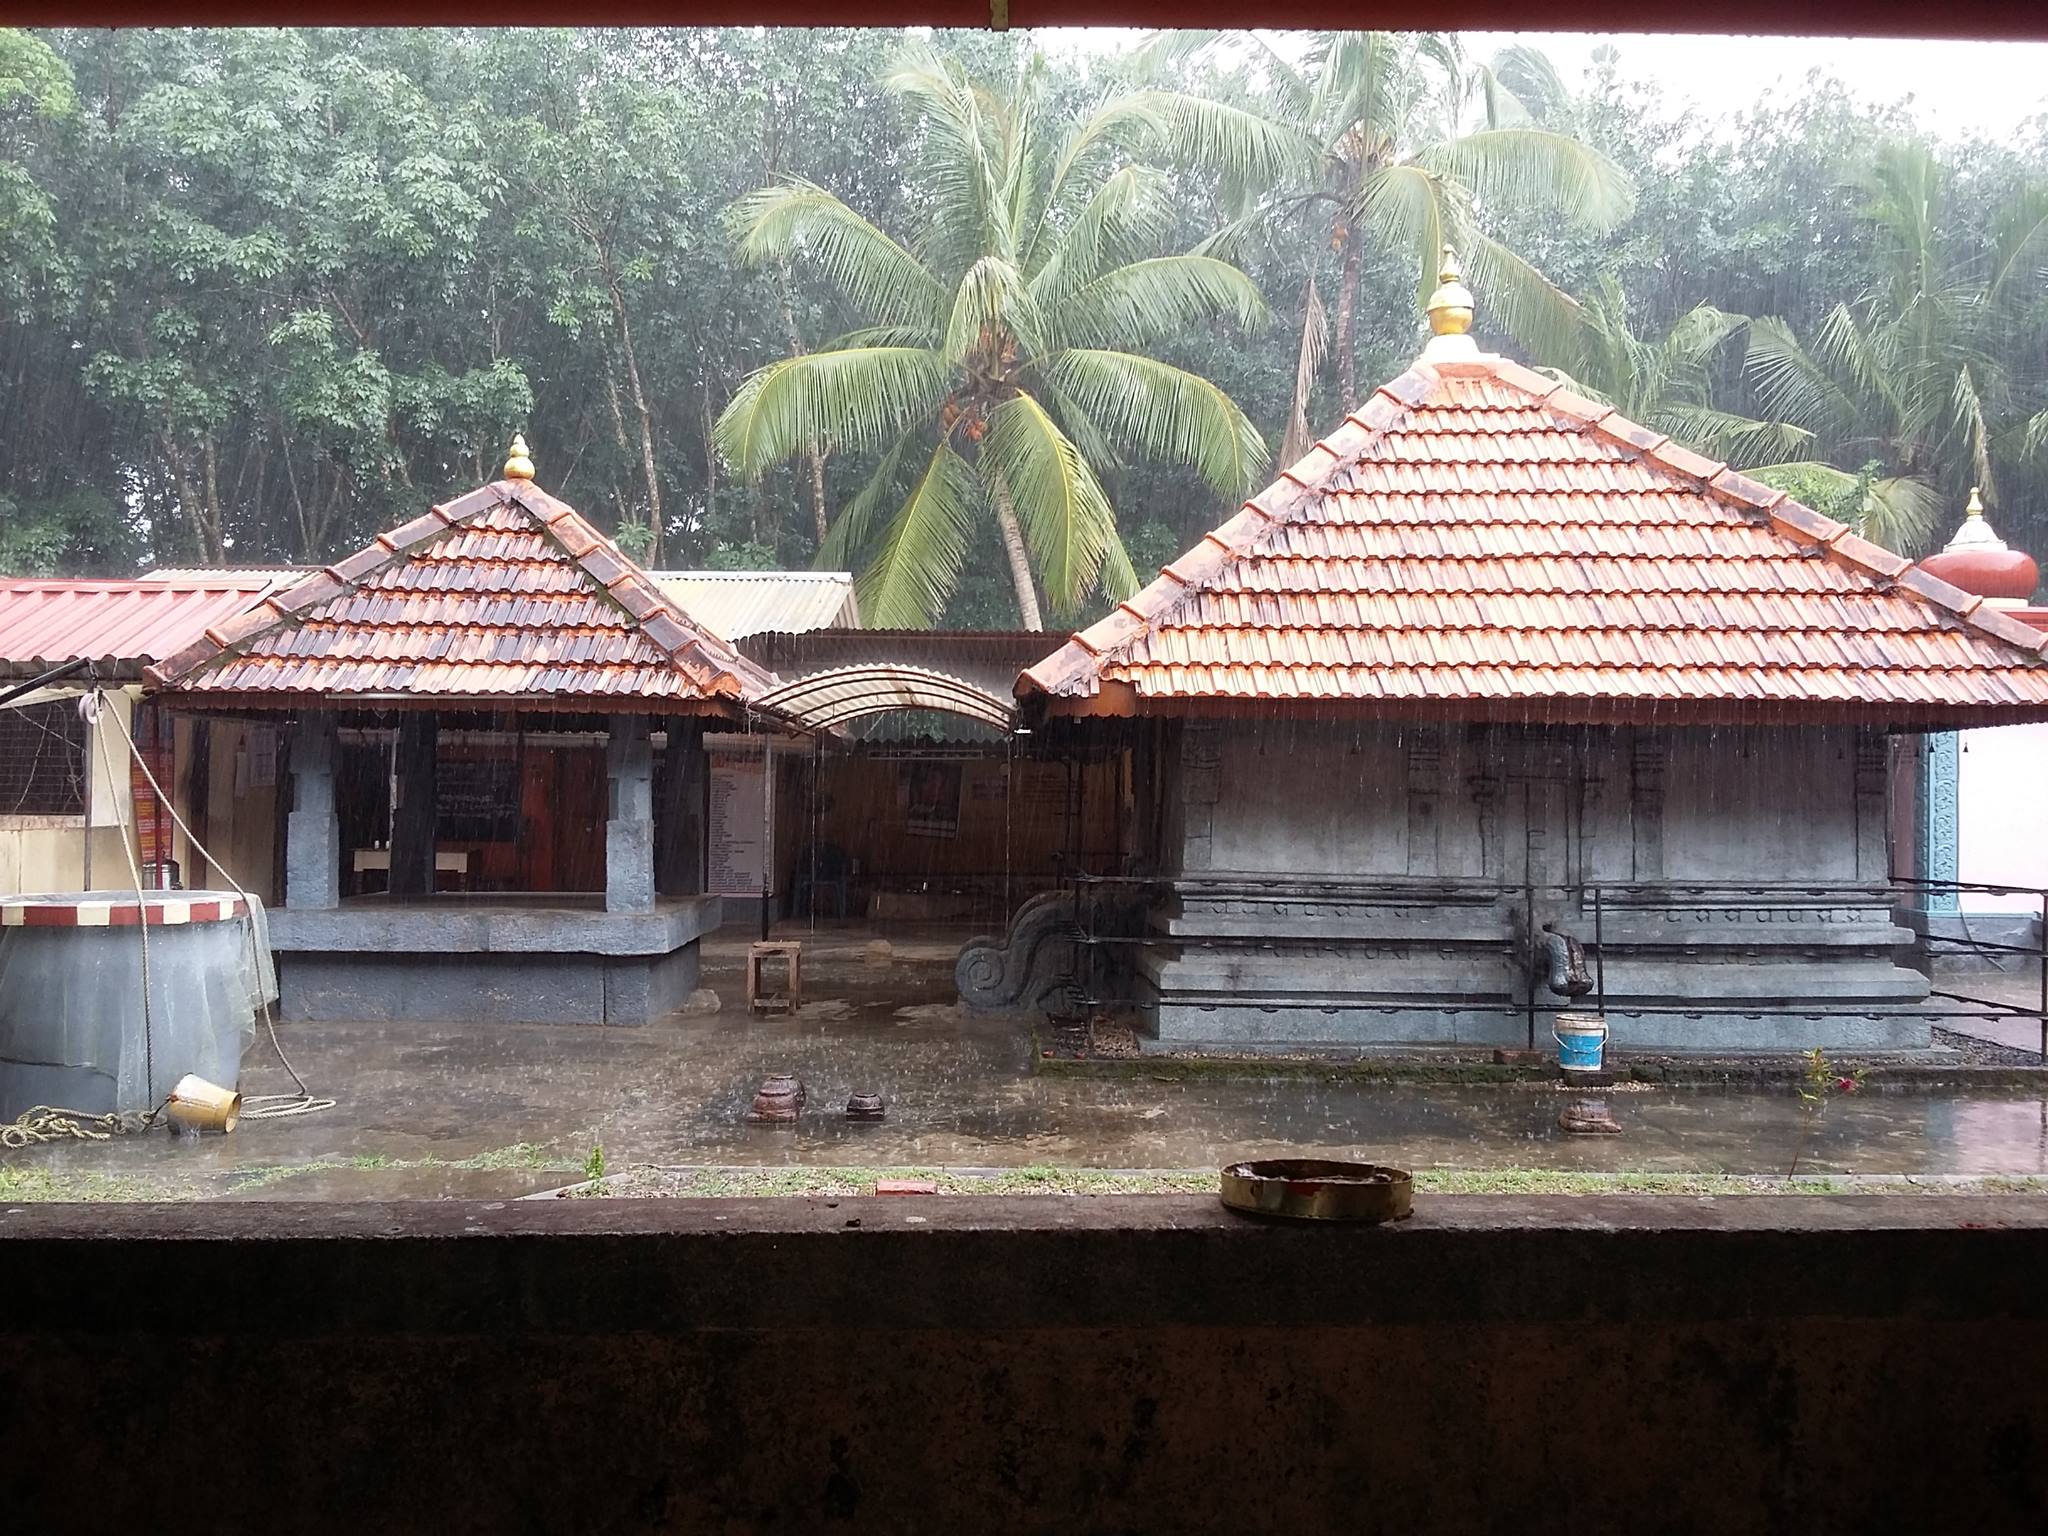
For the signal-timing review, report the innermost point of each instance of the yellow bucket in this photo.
(197, 1105)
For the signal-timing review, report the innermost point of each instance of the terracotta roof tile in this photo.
(1486, 537)
(504, 593)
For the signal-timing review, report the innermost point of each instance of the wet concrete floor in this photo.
(493, 1110)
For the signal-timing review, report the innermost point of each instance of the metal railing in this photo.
(1096, 934)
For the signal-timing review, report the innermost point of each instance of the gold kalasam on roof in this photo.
(519, 463)
(1450, 307)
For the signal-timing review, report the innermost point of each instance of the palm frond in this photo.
(1403, 207)
(918, 561)
(857, 399)
(1726, 435)
(1553, 170)
(1125, 215)
(992, 300)
(1897, 512)
(1160, 411)
(1528, 76)
(1065, 515)
(1546, 320)
(1117, 579)
(847, 537)
(795, 219)
(1247, 151)
(1163, 296)
(1792, 385)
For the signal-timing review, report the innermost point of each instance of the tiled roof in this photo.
(737, 604)
(124, 624)
(505, 594)
(1477, 539)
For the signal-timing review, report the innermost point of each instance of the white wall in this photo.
(2002, 814)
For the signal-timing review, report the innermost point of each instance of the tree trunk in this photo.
(654, 517)
(1013, 546)
(1347, 315)
(813, 454)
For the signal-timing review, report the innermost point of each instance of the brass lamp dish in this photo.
(1319, 1189)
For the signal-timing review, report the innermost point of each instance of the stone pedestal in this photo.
(312, 857)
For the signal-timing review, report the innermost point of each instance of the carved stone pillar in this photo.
(1201, 779)
(414, 815)
(1425, 790)
(1485, 790)
(1940, 771)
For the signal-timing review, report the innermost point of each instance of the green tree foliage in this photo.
(1917, 373)
(264, 293)
(1002, 363)
(1396, 146)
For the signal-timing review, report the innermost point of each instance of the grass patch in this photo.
(28, 1186)
(755, 1183)
(521, 1154)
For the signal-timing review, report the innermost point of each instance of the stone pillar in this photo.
(1647, 756)
(312, 846)
(414, 813)
(1201, 779)
(679, 829)
(629, 833)
(1873, 820)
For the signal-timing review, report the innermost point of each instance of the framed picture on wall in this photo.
(932, 806)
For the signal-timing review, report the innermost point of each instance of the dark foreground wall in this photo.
(1027, 1365)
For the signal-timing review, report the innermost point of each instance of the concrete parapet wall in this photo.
(1048, 1365)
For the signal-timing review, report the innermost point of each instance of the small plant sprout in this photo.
(593, 1165)
(1817, 1083)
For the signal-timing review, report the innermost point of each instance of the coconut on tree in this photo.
(1006, 367)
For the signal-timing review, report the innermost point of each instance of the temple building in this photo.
(1971, 823)
(494, 722)
(1495, 677)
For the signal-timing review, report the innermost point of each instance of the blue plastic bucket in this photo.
(1581, 1041)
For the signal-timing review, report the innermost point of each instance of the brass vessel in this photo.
(1319, 1189)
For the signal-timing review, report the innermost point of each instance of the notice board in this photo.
(741, 825)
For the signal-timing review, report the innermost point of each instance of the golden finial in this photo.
(1976, 506)
(518, 466)
(1450, 307)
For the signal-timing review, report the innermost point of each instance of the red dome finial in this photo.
(1979, 561)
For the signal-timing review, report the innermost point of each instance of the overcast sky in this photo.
(1957, 88)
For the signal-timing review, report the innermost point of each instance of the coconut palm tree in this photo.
(1669, 383)
(1394, 142)
(1005, 371)
(1909, 389)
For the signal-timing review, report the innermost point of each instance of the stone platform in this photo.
(543, 960)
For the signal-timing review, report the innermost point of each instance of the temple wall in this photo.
(1353, 884)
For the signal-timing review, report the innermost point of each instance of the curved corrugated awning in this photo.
(826, 699)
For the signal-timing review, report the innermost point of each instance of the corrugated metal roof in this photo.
(503, 594)
(123, 623)
(737, 604)
(1476, 535)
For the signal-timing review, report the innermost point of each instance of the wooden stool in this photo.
(791, 997)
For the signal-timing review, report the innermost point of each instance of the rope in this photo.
(48, 1122)
(265, 1106)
